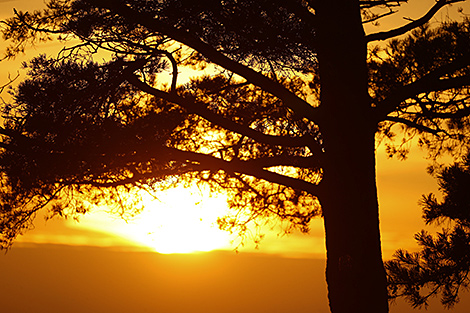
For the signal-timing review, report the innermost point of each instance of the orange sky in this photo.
(64, 267)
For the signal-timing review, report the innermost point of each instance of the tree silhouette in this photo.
(286, 123)
(443, 263)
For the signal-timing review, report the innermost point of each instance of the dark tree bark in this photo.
(355, 273)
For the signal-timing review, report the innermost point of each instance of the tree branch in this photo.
(429, 82)
(174, 66)
(412, 25)
(244, 167)
(300, 107)
(413, 89)
(378, 17)
(387, 3)
(10, 81)
(198, 162)
(448, 115)
(284, 160)
(413, 124)
(201, 110)
(22, 19)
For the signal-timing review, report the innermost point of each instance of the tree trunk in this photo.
(355, 274)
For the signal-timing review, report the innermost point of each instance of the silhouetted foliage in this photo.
(442, 265)
(285, 119)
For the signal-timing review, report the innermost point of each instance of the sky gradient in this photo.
(62, 266)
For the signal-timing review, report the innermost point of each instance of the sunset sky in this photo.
(145, 264)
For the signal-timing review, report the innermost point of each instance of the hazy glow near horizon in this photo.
(181, 220)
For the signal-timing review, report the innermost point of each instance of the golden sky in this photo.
(104, 264)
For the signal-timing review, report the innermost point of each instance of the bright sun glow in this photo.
(180, 221)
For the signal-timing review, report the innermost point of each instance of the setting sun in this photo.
(181, 220)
